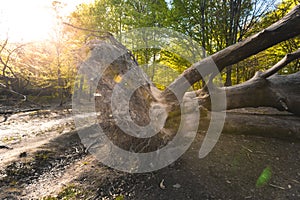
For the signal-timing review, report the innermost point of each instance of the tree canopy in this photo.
(213, 24)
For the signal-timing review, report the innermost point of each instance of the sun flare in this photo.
(31, 20)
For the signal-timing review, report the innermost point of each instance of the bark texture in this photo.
(264, 90)
(281, 92)
(261, 123)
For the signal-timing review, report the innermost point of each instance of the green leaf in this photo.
(264, 177)
(121, 197)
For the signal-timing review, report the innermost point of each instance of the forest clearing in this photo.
(150, 99)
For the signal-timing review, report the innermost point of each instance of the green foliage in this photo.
(277, 52)
(264, 177)
(49, 198)
(174, 61)
(216, 24)
(69, 192)
(8, 139)
(271, 56)
(121, 197)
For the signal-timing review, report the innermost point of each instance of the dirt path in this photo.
(55, 166)
(25, 132)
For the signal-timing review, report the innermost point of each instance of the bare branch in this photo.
(3, 45)
(85, 29)
(282, 63)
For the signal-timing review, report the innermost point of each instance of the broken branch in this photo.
(282, 63)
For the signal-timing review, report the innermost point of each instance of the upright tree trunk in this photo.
(228, 81)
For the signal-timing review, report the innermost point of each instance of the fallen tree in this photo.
(280, 31)
(265, 89)
(283, 126)
(122, 115)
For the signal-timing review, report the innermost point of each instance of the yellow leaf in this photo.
(121, 197)
(118, 79)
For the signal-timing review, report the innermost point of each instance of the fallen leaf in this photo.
(264, 177)
(161, 185)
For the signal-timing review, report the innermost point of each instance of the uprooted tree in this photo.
(265, 89)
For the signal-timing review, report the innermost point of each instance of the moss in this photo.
(43, 155)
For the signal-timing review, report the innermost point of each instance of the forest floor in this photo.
(46, 160)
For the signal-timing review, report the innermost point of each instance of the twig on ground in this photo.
(5, 147)
(247, 149)
(276, 186)
(249, 157)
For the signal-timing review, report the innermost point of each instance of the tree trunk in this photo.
(108, 65)
(280, 92)
(228, 81)
(260, 122)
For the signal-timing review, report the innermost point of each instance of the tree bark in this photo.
(280, 92)
(261, 123)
